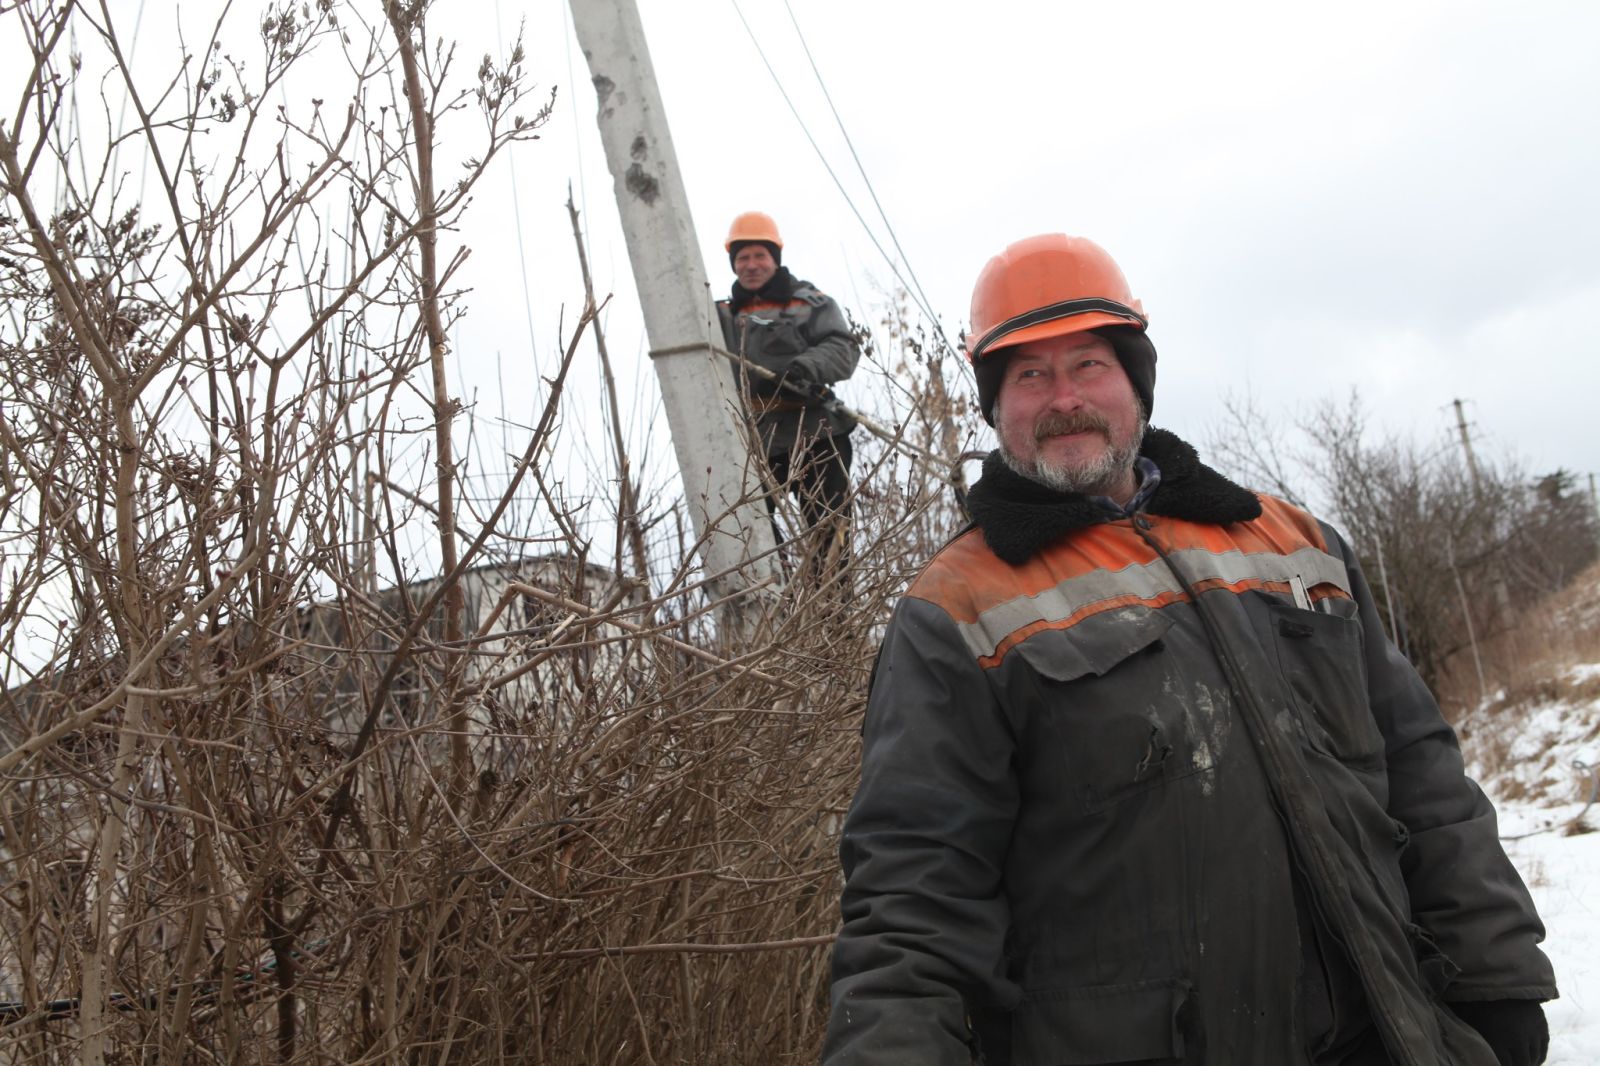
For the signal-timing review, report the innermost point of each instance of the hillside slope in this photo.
(1534, 744)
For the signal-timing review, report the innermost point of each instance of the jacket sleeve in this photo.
(1465, 893)
(923, 850)
(832, 353)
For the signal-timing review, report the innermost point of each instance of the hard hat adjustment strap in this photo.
(1051, 312)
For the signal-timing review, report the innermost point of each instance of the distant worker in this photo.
(1142, 779)
(785, 325)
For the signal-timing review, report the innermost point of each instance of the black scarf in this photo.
(1019, 516)
(779, 289)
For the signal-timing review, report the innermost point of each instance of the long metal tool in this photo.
(935, 465)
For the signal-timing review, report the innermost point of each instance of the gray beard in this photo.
(1098, 478)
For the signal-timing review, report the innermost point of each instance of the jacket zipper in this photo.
(1324, 878)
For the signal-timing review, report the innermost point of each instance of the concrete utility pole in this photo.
(697, 388)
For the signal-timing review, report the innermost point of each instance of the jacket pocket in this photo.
(1100, 1024)
(1093, 647)
(1322, 660)
(1103, 721)
(769, 338)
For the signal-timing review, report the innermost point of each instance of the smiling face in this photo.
(754, 265)
(1068, 417)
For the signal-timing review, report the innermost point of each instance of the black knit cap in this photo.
(1134, 351)
(733, 250)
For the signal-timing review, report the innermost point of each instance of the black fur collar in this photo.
(1019, 516)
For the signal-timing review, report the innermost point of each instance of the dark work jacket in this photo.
(1092, 793)
(790, 322)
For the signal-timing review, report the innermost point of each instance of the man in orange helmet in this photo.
(1142, 779)
(785, 325)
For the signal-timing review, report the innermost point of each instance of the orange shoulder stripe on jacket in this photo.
(770, 305)
(1110, 566)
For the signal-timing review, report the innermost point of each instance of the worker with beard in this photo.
(1142, 779)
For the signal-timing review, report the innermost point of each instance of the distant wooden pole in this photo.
(1466, 446)
(1594, 506)
(1502, 594)
(1466, 615)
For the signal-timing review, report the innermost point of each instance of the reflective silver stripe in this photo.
(1147, 581)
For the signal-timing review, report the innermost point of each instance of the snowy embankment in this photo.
(1563, 872)
(1537, 759)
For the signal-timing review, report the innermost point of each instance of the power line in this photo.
(887, 258)
(577, 138)
(861, 169)
(516, 211)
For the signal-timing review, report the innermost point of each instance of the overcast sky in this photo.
(1397, 198)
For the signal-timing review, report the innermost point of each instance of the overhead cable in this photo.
(916, 296)
(923, 302)
(516, 210)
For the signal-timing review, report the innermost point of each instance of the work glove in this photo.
(818, 393)
(1515, 1029)
(798, 381)
(796, 374)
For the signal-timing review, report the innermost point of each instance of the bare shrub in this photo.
(266, 795)
(1455, 553)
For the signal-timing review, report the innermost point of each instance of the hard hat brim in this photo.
(1057, 327)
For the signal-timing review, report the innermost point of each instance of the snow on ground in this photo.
(1563, 873)
(1584, 671)
(1538, 762)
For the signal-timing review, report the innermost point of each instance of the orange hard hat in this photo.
(1050, 286)
(752, 226)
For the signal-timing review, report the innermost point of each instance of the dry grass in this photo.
(1543, 692)
(1527, 664)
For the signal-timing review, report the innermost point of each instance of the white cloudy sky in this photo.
(1394, 197)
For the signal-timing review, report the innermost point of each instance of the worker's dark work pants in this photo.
(819, 477)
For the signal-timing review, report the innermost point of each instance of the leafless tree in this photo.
(1453, 550)
(309, 757)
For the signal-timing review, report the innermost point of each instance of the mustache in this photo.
(1058, 425)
